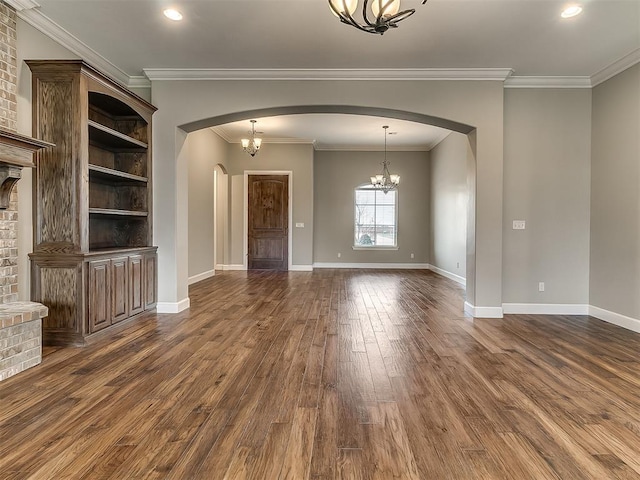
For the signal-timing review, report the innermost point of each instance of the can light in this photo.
(173, 14)
(571, 11)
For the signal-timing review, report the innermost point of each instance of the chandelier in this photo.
(385, 181)
(252, 144)
(385, 14)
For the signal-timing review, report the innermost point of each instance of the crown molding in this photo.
(20, 5)
(616, 67)
(140, 81)
(497, 74)
(47, 26)
(226, 136)
(369, 148)
(547, 82)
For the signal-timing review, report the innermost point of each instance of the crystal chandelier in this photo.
(386, 14)
(252, 144)
(385, 181)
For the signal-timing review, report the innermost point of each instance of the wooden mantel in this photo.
(16, 152)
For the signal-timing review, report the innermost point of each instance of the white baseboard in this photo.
(398, 266)
(545, 308)
(201, 276)
(173, 307)
(483, 312)
(301, 268)
(232, 267)
(219, 266)
(451, 276)
(623, 321)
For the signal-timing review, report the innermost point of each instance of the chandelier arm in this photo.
(398, 17)
(346, 17)
(366, 17)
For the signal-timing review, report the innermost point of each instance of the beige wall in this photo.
(615, 195)
(547, 184)
(337, 174)
(297, 158)
(205, 150)
(448, 204)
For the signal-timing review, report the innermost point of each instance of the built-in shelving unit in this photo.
(93, 260)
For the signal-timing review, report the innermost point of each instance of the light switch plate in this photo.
(519, 224)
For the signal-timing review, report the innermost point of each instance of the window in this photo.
(375, 218)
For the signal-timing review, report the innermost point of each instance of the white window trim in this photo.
(368, 186)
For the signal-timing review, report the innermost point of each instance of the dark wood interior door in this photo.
(268, 222)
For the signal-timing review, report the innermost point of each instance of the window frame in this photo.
(369, 187)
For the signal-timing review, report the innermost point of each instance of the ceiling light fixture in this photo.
(386, 14)
(571, 11)
(252, 144)
(173, 14)
(385, 181)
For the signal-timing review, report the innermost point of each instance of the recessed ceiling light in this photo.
(172, 14)
(571, 11)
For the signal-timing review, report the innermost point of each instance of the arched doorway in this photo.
(464, 129)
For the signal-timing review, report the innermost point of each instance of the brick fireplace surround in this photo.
(20, 322)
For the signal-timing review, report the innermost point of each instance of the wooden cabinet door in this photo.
(150, 280)
(99, 295)
(268, 218)
(119, 289)
(136, 285)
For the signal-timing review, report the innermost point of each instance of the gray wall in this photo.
(205, 150)
(297, 158)
(337, 174)
(547, 184)
(615, 195)
(449, 197)
(476, 103)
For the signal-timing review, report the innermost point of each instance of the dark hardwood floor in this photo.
(332, 374)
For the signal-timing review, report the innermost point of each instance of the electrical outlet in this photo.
(541, 286)
(339, 254)
(457, 264)
(412, 255)
(519, 224)
(299, 225)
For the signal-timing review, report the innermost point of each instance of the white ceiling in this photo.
(526, 36)
(338, 132)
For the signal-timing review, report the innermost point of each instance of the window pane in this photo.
(385, 215)
(385, 235)
(375, 218)
(365, 196)
(365, 214)
(388, 198)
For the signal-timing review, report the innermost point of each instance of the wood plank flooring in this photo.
(331, 374)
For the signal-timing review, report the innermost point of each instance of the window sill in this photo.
(374, 247)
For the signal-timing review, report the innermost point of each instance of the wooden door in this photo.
(136, 300)
(119, 289)
(99, 295)
(268, 223)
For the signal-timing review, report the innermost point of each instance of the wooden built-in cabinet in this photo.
(93, 262)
